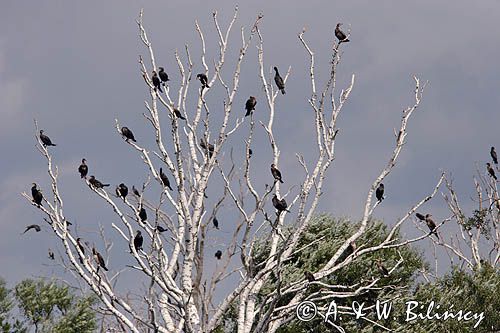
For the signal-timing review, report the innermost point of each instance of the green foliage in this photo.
(7, 323)
(479, 220)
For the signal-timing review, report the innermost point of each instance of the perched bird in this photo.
(218, 254)
(127, 133)
(99, 259)
(95, 183)
(280, 205)
(420, 216)
(138, 240)
(45, 139)
(341, 36)
(250, 152)
(122, 191)
(37, 195)
(208, 148)
(431, 224)
(156, 82)
(142, 214)
(309, 276)
(203, 79)
(165, 180)
(32, 226)
(178, 114)
(383, 271)
(83, 169)
(163, 75)
(250, 105)
(379, 193)
(160, 228)
(136, 192)
(276, 173)
(216, 223)
(279, 81)
(51, 255)
(494, 156)
(491, 171)
(81, 247)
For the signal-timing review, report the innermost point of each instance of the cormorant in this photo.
(203, 79)
(136, 192)
(280, 205)
(309, 276)
(340, 34)
(494, 156)
(142, 214)
(37, 195)
(250, 152)
(127, 133)
(178, 114)
(431, 224)
(491, 171)
(32, 226)
(210, 148)
(379, 193)
(420, 216)
(83, 169)
(160, 228)
(218, 254)
(138, 240)
(279, 81)
(122, 191)
(383, 271)
(165, 180)
(45, 139)
(163, 75)
(250, 105)
(156, 82)
(81, 247)
(99, 259)
(95, 183)
(276, 173)
(51, 255)
(216, 223)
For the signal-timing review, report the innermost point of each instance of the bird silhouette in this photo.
(156, 82)
(127, 133)
(276, 173)
(341, 36)
(45, 140)
(279, 81)
(83, 169)
(250, 105)
(37, 195)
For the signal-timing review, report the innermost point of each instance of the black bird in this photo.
(420, 216)
(491, 171)
(122, 191)
(156, 82)
(142, 214)
(51, 255)
(218, 254)
(45, 139)
(431, 224)
(127, 133)
(83, 169)
(138, 240)
(250, 105)
(135, 191)
(178, 114)
(37, 195)
(279, 81)
(160, 228)
(383, 271)
(276, 173)
(203, 79)
(250, 152)
(216, 223)
(208, 148)
(494, 156)
(33, 226)
(379, 193)
(341, 36)
(165, 180)
(309, 276)
(280, 205)
(99, 259)
(95, 183)
(163, 75)
(81, 247)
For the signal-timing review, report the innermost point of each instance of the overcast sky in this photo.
(74, 67)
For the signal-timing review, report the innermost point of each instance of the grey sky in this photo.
(74, 67)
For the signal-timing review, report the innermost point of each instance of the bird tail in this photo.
(248, 113)
(281, 181)
(134, 140)
(170, 188)
(106, 269)
(283, 91)
(159, 88)
(53, 144)
(105, 185)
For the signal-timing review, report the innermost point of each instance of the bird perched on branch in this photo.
(96, 183)
(127, 133)
(203, 79)
(431, 224)
(99, 259)
(218, 254)
(122, 191)
(81, 247)
(156, 82)
(165, 180)
(280, 205)
(37, 195)
(381, 268)
(142, 214)
(250, 105)
(494, 156)
(216, 223)
(420, 216)
(379, 193)
(276, 173)
(491, 171)
(178, 114)
(341, 36)
(160, 228)
(208, 148)
(36, 227)
(83, 169)
(279, 81)
(45, 139)
(136, 192)
(163, 75)
(138, 240)
(309, 276)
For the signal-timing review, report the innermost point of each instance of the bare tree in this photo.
(187, 288)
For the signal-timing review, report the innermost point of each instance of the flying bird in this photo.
(178, 114)
(156, 82)
(96, 183)
(341, 36)
(127, 133)
(431, 224)
(218, 254)
(494, 156)
(383, 271)
(250, 105)
(83, 169)
(32, 226)
(379, 193)
(216, 223)
(165, 180)
(138, 240)
(203, 79)
(279, 81)
(45, 139)
(420, 216)
(142, 214)
(99, 259)
(37, 195)
(276, 173)
(81, 247)
(280, 205)
(491, 171)
(163, 75)
(309, 276)
(122, 191)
